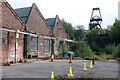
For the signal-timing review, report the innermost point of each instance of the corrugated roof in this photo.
(51, 22)
(23, 13)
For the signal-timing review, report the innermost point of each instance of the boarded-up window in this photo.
(47, 45)
(4, 37)
(61, 45)
(33, 44)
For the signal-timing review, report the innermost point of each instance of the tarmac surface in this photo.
(43, 69)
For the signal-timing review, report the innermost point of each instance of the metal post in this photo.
(26, 44)
(15, 44)
(37, 48)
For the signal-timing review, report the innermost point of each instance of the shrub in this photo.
(118, 59)
(95, 47)
(109, 49)
(64, 49)
(82, 49)
(116, 52)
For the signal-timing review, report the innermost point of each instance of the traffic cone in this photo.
(52, 59)
(70, 72)
(85, 66)
(70, 59)
(93, 60)
(52, 76)
(91, 65)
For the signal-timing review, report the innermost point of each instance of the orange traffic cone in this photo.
(70, 59)
(52, 59)
(93, 60)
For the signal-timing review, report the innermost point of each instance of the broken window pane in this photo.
(46, 45)
(33, 44)
(5, 37)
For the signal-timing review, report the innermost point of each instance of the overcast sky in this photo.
(77, 12)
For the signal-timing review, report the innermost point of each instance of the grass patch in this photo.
(118, 59)
(89, 76)
(104, 56)
(58, 56)
(88, 58)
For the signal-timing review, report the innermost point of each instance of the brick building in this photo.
(60, 34)
(25, 32)
(11, 46)
(35, 23)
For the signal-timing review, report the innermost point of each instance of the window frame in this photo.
(32, 50)
(47, 46)
(4, 35)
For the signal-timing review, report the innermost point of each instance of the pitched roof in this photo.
(51, 22)
(23, 13)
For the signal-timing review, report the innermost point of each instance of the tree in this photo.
(68, 27)
(79, 32)
(96, 38)
(115, 32)
(81, 48)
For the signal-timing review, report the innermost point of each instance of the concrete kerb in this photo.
(67, 61)
(39, 61)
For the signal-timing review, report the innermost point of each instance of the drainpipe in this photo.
(26, 45)
(15, 44)
(37, 48)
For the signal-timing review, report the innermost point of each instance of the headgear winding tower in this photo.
(95, 20)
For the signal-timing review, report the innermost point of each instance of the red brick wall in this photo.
(36, 22)
(41, 47)
(42, 53)
(0, 53)
(59, 30)
(10, 20)
(56, 48)
(20, 49)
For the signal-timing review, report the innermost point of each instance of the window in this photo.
(46, 45)
(33, 44)
(61, 45)
(57, 23)
(4, 37)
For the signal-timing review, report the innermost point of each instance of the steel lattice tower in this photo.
(95, 21)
